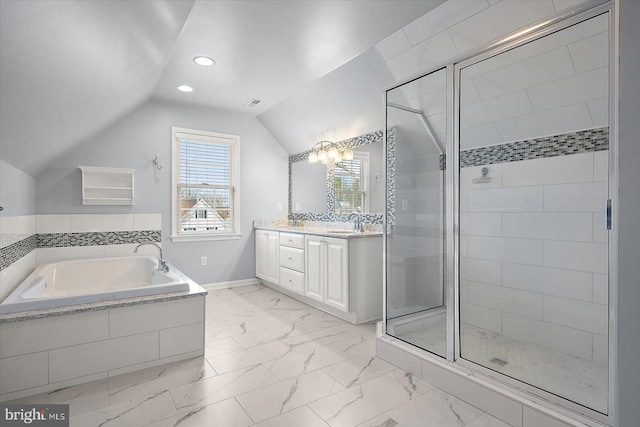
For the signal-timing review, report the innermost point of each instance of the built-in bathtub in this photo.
(73, 322)
(67, 283)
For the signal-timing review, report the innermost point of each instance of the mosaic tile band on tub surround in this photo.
(12, 253)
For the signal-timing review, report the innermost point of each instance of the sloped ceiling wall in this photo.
(70, 69)
(115, 51)
(343, 104)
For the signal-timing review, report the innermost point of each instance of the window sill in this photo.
(205, 237)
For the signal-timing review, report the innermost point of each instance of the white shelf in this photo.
(107, 186)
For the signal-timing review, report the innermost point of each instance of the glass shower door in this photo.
(415, 239)
(534, 140)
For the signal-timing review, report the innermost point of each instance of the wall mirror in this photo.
(328, 192)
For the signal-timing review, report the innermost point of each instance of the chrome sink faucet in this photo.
(357, 225)
(162, 264)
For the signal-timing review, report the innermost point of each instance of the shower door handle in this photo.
(608, 214)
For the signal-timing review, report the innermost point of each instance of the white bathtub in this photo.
(62, 284)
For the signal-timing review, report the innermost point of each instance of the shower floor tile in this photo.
(571, 377)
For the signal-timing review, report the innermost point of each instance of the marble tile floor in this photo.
(574, 378)
(269, 361)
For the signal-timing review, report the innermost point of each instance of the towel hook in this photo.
(156, 162)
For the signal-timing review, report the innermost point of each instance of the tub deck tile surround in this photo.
(194, 291)
(72, 345)
(322, 373)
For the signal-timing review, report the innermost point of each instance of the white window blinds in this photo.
(351, 181)
(205, 181)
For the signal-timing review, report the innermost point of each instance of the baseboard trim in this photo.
(231, 284)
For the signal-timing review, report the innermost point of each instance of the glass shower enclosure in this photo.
(415, 239)
(497, 234)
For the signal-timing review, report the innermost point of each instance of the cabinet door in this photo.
(262, 253)
(267, 259)
(337, 273)
(314, 268)
(273, 261)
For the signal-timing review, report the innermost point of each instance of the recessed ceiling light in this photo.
(185, 88)
(205, 61)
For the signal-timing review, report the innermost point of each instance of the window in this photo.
(205, 185)
(351, 181)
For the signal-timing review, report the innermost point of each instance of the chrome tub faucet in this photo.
(162, 264)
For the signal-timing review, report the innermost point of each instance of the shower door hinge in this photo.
(608, 214)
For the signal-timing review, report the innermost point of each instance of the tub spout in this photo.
(162, 264)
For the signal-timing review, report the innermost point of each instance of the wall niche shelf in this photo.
(107, 186)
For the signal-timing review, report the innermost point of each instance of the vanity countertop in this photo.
(327, 232)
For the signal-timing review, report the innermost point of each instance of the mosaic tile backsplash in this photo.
(13, 252)
(330, 216)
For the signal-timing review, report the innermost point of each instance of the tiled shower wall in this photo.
(534, 253)
(26, 241)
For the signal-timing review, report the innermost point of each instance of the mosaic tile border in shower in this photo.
(584, 141)
(13, 252)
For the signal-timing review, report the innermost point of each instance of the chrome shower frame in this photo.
(545, 399)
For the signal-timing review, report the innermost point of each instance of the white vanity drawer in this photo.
(292, 280)
(292, 258)
(292, 240)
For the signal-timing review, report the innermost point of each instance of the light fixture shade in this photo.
(204, 61)
(339, 158)
(313, 157)
(347, 154)
(333, 152)
(323, 156)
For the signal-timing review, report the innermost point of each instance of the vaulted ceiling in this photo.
(69, 69)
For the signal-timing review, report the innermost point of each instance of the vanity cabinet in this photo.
(268, 255)
(327, 269)
(292, 266)
(341, 276)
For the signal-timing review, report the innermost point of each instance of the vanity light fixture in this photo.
(347, 154)
(185, 88)
(204, 61)
(329, 152)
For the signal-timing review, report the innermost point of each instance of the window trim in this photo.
(363, 157)
(175, 178)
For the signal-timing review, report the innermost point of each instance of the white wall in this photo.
(629, 215)
(16, 191)
(17, 222)
(343, 104)
(308, 187)
(134, 141)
